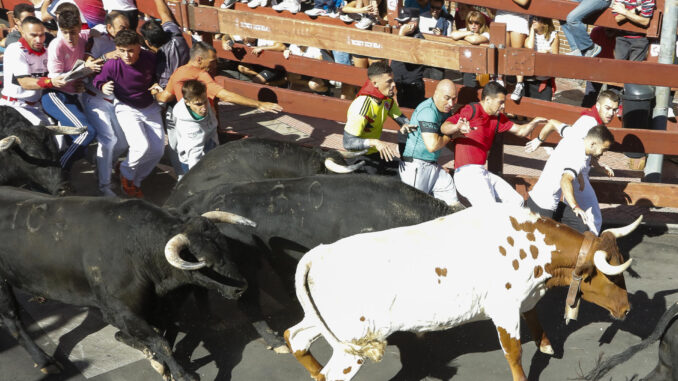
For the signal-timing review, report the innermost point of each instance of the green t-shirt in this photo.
(427, 118)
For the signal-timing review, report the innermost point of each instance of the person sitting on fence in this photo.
(600, 114)
(324, 8)
(562, 174)
(195, 124)
(476, 33)
(632, 46)
(473, 181)
(371, 12)
(543, 38)
(576, 31)
(365, 120)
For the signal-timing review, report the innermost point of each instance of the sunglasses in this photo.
(475, 23)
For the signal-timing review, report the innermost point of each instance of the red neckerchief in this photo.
(369, 89)
(593, 111)
(24, 43)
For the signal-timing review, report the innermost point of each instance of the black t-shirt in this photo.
(407, 73)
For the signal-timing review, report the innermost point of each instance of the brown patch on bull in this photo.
(306, 359)
(438, 281)
(512, 352)
(534, 251)
(502, 250)
(538, 271)
(347, 370)
(508, 286)
(362, 318)
(523, 254)
(441, 271)
(510, 240)
(360, 361)
(515, 264)
(530, 236)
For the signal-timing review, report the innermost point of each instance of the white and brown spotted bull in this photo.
(490, 262)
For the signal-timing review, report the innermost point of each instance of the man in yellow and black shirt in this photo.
(365, 120)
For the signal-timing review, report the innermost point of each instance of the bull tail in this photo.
(607, 365)
(309, 306)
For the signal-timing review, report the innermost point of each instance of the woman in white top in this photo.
(543, 38)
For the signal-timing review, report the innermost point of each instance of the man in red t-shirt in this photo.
(485, 118)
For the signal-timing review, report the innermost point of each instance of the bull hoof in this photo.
(281, 349)
(547, 349)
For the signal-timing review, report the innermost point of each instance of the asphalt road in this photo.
(222, 345)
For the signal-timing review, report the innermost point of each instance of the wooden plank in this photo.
(558, 10)
(616, 192)
(350, 40)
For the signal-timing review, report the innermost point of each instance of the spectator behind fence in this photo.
(436, 20)
(126, 7)
(21, 11)
(543, 38)
(605, 37)
(462, 12)
(371, 12)
(409, 77)
(315, 84)
(517, 28)
(632, 46)
(261, 74)
(475, 33)
(576, 32)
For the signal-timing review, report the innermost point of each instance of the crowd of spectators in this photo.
(134, 94)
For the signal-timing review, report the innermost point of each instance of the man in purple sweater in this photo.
(129, 77)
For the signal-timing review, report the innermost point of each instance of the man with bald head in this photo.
(419, 165)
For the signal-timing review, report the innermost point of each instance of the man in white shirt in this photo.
(25, 74)
(569, 161)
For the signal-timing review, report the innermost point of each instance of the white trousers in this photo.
(587, 199)
(112, 142)
(145, 137)
(430, 178)
(481, 187)
(34, 113)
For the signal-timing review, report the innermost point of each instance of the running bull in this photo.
(29, 154)
(481, 263)
(256, 159)
(120, 256)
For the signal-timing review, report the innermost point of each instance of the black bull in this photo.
(667, 366)
(253, 159)
(295, 215)
(108, 254)
(33, 159)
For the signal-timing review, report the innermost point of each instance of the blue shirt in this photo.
(427, 118)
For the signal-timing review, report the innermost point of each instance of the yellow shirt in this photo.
(366, 115)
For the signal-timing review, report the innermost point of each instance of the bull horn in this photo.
(625, 230)
(8, 142)
(352, 154)
(66, 130)
(332, 166)
(600, 260)
(172, 250)
(230, 218)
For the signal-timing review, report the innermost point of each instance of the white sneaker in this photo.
(333, 14)
(287, 5)
(500, 81)
(346, 18)
(670, 114)
(315, 12)
(257, 3)
(227, 4)
(518, 91)
(364, 23)
(244, 1)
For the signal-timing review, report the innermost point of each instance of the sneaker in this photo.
(244, 1)
(257, 3)
(315, 12)
(593, 51)
(227, 4)
(501, 82)
(287, 5)
(365, 23)
(333, 14)
(575, 52)
(129, 188)
(670, 114)
(518, 91)
(346, 18)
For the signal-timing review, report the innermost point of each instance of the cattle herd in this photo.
(342, 242)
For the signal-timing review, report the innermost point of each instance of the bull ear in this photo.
(66, 130)
(229, 218)
(8, 142)
(172, 250)
(333, 166)
(625, 230)
(600, 260)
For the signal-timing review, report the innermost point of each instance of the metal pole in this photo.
(653, 166)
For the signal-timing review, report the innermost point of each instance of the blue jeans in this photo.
(575, 30)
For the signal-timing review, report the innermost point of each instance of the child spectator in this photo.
(195, 124)
(475, 33)
(543, 38)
